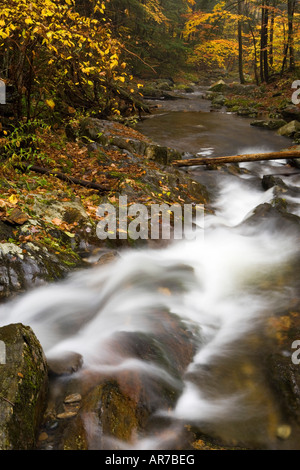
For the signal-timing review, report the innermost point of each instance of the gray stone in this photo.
(160, 154)
(69, 363)
(23, 388)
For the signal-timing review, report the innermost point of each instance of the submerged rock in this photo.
(23, 387)
(69, 363)
(112, 410)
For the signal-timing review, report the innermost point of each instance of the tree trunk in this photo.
(271, 37)
(289, 46)
(252, 157)
(62, 176)
(256, 74)
(264, 61)
(291, 10)
(240, 40)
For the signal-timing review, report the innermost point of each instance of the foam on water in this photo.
(214, 288)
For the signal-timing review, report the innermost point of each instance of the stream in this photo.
(231, 294)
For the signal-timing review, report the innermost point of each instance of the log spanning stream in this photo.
(198, 334)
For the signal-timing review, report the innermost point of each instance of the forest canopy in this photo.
(90, 54)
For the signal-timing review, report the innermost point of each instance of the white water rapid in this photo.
(223, 288)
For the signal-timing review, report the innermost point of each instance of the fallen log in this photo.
(62, 176)
(251, 157)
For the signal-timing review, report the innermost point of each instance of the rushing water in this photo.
(224, 288)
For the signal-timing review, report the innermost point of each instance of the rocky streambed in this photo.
(36, 249)
(62, 401)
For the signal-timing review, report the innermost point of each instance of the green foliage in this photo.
(56, 57)
(151, 34)
(24, 143)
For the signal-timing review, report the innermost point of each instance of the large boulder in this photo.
(23, 387)
(290, 129)
(27, 265)
(291, 112)
(113, 409)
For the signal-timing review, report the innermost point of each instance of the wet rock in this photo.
(157, 92)
(289, 130)
(66, 364)
(251, 112)
(272, 124)
(163, 155)
(275, 217)
(23, 388)
(30, 265)
(269, 181)
(73, 398)
(291, 112)
(67, 415)
(296, 138)
(295, 162)
(114, 410)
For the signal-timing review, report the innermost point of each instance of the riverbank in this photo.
(48, 223)
(55, 215)
(269, 105)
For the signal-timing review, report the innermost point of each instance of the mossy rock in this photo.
(220, 86)
(290, 129)
(31, 265)
(272, 124)
(161, 154)
(116, 412)
(23, 387)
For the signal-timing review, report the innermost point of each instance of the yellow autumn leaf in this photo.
(50, 103)
(13, 199)
(57, 221)
(114, 63)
